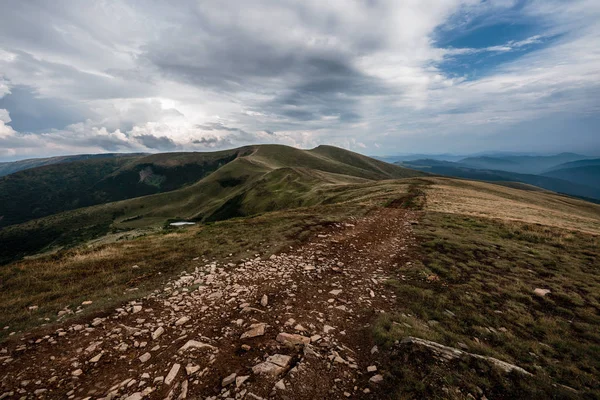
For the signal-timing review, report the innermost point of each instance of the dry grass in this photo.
(499, 202)
(486, 270)
(103, 273)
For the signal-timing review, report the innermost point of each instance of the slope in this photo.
(47, 190)
(7, 168)
(259, 179)
(416, 288)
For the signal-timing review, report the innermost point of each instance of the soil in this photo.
(329, 291)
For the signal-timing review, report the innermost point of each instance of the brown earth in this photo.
(328, 291)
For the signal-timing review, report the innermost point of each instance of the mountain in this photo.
(520, 164)
(7, 168)
(47, 190)
(554, 183)
(412, 157)
(573, 164)
(135, 193)
(588, 175)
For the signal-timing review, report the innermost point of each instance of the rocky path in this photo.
(293, 326)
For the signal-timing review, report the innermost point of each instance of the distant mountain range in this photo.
(567, 173)
(521, 164)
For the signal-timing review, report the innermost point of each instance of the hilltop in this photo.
(133, 193)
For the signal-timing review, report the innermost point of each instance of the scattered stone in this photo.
(77, 372)
(376, 379)
(182, 321)
(328, 328)
(86, 303)
(371, 368)
(239, 381)
(159, 331)
(172, 374)
(194, 344)
(541, 292)
(255, 330)
(228, 380)
(264, 300)
(292, 339)
(96, 358)
(335, 292)
(145, 357)
(274, 365)
(191, 369)
(280, 385)
(446, 353)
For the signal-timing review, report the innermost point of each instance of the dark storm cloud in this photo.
(31, 113)
(157, 143)
(217, 126)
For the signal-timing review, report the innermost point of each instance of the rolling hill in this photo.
(565, 183)
(520, 164)
(50, 189)
(588, 175)
(195, 187)
(574, 164)
(7, 168)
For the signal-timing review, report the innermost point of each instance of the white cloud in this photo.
(338, 72)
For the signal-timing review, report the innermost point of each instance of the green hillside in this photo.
(234, 183)
(47, 190)
(7, 168)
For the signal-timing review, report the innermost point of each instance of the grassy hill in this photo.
(7, 168)
(47, 190)
(186, 186)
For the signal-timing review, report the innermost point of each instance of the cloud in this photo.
(157, 143)
(374, 76)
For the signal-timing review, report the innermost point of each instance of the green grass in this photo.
(197, 187)
(485, 273)
(103, 273)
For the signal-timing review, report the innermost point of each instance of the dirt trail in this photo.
(294, 326)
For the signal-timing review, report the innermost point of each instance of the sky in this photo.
(379, 77)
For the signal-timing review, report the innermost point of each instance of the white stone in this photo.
(194, 344)
(172, 374)
(159, 331)
(228, 380)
